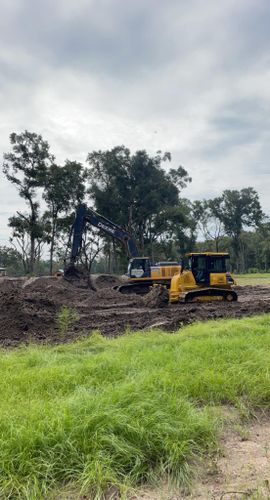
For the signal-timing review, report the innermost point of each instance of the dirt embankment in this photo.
(29, 309)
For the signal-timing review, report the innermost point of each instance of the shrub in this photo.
(66, 318)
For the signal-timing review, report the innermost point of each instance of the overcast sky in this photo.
(187, 76)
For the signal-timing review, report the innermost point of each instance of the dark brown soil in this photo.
(157, 297)
(29, 310)
(106, 281)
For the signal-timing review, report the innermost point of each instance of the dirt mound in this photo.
(22, 315)
(157, 297)
(29, 310)
(106, 281)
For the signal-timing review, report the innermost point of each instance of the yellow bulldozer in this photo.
(205, 279)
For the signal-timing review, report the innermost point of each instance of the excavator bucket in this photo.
(78, 277)
(72, 273)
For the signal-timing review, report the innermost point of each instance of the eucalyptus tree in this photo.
(25, 166)
(238, 210)
(64, 189)
(135, 189)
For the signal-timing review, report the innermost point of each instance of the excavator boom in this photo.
(86, 215)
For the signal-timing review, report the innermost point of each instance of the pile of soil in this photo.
(29, 309)
(157, 297)
(106, 281)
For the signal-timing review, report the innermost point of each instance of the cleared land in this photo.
(103, 415)
(30, 310)
(253, 279)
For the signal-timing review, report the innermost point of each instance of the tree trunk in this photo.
(114, 263)
(110, 260)
(33, 219)
(51, 255)
(141, 236)
(32, 253)
(130, 218)
(236, 248)
(52, 245)
(151, 242)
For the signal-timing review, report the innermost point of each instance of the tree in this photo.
(237, 210)
(90, 249)
(11, 259)
(171, 232)
(64, 189)
(179, 177)
(133, 190)
(208, 223)
(264, 244)
(23, 230)
(25, 167)
(152, 191)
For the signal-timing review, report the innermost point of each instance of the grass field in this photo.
(253, 279)
(126, 411)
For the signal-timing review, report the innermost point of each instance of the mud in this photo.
(29, 310)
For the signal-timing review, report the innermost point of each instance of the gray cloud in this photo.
(240, 122)
(189, 77)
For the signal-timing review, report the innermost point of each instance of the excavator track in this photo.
(138, 288)
(209, 294)
(141, 288)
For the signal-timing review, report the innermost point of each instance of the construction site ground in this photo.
(29, 309)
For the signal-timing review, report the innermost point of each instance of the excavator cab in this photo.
(142, 275)
(139, 267)
(205, 279)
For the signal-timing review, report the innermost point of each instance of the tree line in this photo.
(138, 191)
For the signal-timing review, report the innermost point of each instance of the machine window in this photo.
(199, 269)
(139, 268)
(217, 265)
(199, 263)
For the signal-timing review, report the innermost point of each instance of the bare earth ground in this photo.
(29, 309)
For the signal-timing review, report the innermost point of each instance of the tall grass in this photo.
(121, 412)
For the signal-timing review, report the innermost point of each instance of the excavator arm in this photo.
(86, 215)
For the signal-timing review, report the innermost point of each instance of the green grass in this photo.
(253, 279)
(126, 411)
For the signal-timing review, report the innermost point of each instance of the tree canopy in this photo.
(135, 190)
(139, 191)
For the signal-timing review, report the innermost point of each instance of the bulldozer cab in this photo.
(139, 267)
(203, 265)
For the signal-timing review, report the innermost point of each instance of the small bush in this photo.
(66, 318)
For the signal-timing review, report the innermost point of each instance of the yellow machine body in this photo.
(141, 275)
(199, 283)
(141, 270)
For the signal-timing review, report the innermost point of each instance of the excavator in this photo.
(205, 279)
(141, 275)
